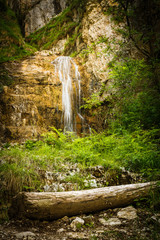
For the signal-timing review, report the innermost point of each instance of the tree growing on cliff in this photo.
(136, 82)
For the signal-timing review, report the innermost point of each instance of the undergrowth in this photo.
(21, 165)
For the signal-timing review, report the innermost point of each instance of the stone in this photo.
(77, 223)
(65, 219)
(110, 222)
(95, 25)
(90, 183)
(88, 219)
(156, 218)
(128, 213)
(36, 13)
(49, 175)
(61, 230)
(34, 101)
(37, 95)
(46, 188)
(25, 235)
(100, 231)
(77, 235)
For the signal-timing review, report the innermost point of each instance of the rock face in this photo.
(97, 34)
(41, 14)
(34, 102)
(35, 14)
(96, 26)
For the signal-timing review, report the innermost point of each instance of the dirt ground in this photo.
(146, 226)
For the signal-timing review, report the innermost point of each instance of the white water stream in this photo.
(69, 75)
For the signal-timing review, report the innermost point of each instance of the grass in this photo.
(21, 164)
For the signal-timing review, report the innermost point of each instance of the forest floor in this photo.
(141, 221)
(113, 224)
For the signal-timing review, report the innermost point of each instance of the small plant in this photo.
(76, 178)
(90, 225)
(29, 144)
(79, 225)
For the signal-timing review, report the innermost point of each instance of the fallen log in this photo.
(54, 205)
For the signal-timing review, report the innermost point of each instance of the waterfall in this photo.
(69, 76)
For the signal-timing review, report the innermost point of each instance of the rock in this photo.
(25, 235)
(128, 213)
(90, 183)
(76, 235)
(102, 221)
(65, 219)
(88, 219)
(156, 218)
(49, 175)
(30, 105)
(110, 222)
(96, 25)
(54, 187)
(61, 230)
(77, 223)
(36, 13)
(98, 171)
(46, 188)
(100, 231)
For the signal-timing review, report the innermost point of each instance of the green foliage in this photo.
(94, 100)
(136, 101)
(91, 102)
(29, 144)
(71, 42)
(60, 27)
(5, 79)
(151, 202)
(12, 43)
(89, 225)
(15, 172)
(116, 11)
(21, 165)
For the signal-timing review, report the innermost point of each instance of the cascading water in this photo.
(69, 75)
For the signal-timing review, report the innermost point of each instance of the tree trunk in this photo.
(54, 205)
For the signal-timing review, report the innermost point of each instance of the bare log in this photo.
(54, 205)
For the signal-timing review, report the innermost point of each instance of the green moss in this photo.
(5, 79)
(12, 44)
(60, 27)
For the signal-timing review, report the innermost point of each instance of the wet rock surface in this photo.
(33, 102)
(87, 227)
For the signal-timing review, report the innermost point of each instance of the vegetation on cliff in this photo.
(66, 25)
(134, 68)
(12, 44)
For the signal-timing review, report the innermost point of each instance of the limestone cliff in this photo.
(84, 31)
(36, 13)
(33, 103)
